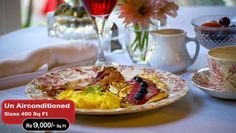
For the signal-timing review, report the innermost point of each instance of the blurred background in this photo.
(15, 14)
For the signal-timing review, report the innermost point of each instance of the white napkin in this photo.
(29, 65)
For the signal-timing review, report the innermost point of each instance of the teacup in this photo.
(170, 53)
(222, 67)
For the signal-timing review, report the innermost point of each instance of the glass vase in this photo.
(139, 43)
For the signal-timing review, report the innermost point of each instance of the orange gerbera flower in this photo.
(166, 8)
(141, 12)
(138, 12)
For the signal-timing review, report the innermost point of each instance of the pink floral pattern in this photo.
(232, 70)
(220, 75)
(215, 70)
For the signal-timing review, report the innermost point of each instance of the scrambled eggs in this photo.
(91, 99)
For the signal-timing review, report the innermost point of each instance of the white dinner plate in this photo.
(176, 87)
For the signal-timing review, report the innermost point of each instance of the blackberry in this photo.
(143, 90)
(138, 79)
(144, 84)
(138, 96)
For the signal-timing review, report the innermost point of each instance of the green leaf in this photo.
(93, 89)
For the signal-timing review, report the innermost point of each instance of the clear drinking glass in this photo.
(100, 11)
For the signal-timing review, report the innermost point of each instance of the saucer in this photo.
(202, 80)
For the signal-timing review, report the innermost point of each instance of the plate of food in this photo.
(110, 90)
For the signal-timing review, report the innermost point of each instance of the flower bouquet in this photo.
(141, 17)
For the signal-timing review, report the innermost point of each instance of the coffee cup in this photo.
(170, 52)
(222, 67)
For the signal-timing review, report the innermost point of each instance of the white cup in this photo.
(170, 53)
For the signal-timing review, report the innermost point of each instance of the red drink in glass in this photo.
(99, 7)
(100, 10)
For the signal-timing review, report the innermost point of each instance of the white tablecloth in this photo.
(197, 112)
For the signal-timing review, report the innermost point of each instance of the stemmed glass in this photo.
(100, 10)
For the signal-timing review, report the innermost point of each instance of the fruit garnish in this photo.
(144, 84)
(212, 24)
(225, 21)
(142, 90)
(137, 79)
(136, 97)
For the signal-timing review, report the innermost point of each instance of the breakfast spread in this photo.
(110, 90)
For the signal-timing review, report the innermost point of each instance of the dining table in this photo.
(196, 112)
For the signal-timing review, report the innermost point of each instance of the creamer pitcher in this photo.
(170, 53)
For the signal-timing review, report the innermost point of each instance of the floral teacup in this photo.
(222, 67)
